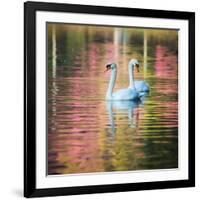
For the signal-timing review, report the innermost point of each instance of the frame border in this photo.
(30, 9)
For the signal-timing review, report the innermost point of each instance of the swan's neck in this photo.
(131, 76)
(111, 84)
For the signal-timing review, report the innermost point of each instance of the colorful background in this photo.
(87, 134)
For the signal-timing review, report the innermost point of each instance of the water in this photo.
(87, 134)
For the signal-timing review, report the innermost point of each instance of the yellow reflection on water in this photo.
(86, 133)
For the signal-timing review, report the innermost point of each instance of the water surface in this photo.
(86, 133)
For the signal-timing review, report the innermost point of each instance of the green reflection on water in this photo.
(85, 135)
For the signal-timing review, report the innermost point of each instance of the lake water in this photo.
(86, 133)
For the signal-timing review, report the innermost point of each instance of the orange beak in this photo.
(106, 70)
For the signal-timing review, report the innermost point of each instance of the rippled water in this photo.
(88, 134)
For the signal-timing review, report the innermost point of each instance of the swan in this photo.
(123, 94)
(140, 86)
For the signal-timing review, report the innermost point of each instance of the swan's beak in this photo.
(108, 67)
(137, 67)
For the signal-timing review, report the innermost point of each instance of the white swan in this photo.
(123, 94)
(140, 86)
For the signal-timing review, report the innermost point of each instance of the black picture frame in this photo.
(30, 9)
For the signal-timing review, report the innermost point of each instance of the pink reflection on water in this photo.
(166, 68)
(80, 134)
(93, 54)
(166, 63)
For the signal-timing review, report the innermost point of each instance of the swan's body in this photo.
(122, 105)
(140, 86)
(123, 94)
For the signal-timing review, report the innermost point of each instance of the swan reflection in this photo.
(123, 108)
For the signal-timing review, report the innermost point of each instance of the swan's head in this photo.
(134, 63)
(111, 66)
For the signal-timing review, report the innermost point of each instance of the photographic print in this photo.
(109, 99)
(112, 98)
